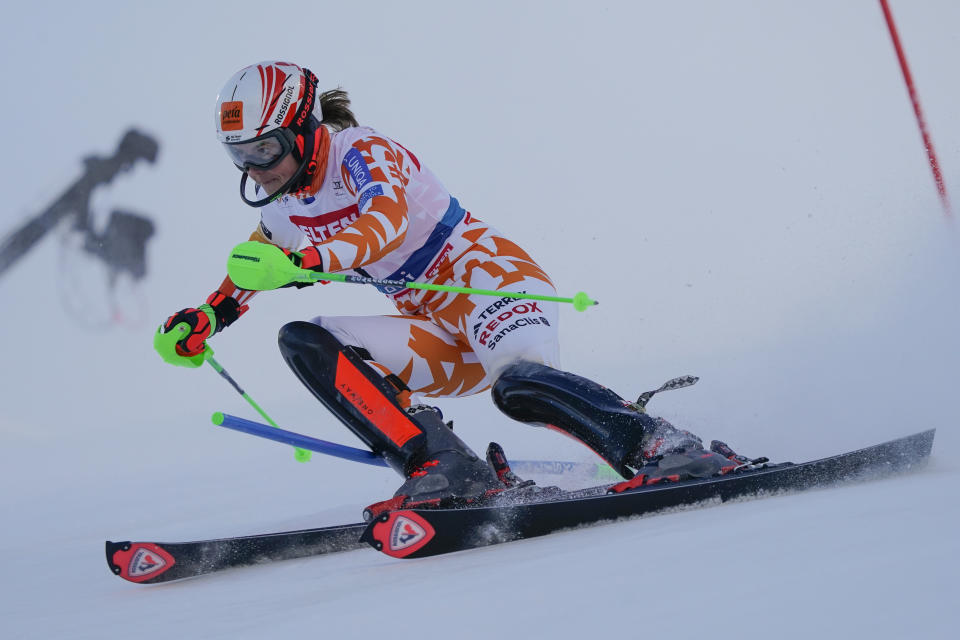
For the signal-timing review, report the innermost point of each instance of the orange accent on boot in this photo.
(638, 480)
(674, 478)
(384, 506)
(403, 391)
(421, 471)
(432, 503)
(652, 451)
(370, 401)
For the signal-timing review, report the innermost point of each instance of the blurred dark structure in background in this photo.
(120, 247)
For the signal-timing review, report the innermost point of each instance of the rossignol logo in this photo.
(145, 562)
(305, 103)
(240, 256)
(405, 533)
(231, 116)
(402, 534)
(287, 98)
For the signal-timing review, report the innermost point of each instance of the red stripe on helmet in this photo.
(263, 90)
(276, 80)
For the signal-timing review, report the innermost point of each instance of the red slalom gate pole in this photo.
(911, 89)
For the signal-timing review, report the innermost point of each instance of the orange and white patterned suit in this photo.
(380, 212)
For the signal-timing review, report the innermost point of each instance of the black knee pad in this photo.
(356, 393)
(363, 399)
(591, 413)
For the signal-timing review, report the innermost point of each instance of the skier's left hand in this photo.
(309, 258)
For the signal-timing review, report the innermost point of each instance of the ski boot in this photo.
(661, 438)
(438, 468)
(676, 467)
(619, 431)
(688, 463)
(449, 475)
(668, 454)
(517, 490)
(743, 463)
(642, 448)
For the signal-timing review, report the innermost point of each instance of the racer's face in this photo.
(276, 176)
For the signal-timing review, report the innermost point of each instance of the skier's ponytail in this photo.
(335, 105)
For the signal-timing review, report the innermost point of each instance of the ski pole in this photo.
(257, 266)
(296, 439)
(301, 455)
(551, 467)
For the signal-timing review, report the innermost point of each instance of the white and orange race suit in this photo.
(381, 213)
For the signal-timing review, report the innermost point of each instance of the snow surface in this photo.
(741, 185)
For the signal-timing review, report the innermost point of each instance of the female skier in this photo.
(335, 197)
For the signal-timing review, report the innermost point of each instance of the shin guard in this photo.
(360, 397)
(594, 415)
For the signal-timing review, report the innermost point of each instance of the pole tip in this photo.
(582, 302)
(217, 418)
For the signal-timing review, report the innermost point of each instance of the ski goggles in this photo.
(263, 152)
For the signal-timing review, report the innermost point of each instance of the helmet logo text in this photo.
(306, 105)
(283, 107)
(231, 116)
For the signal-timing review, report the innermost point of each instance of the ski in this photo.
(426, 532)
(151, 562)
(417, 533)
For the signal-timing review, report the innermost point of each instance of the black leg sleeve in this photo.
(591, 413)
(353, 391)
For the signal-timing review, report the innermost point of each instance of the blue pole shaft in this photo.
(300, 454)
(546, 467)
(297, 440)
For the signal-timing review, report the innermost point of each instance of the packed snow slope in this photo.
(742, 186)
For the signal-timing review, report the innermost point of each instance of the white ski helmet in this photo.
(265, 112)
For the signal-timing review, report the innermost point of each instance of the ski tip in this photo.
(111, 549)
(399, 534)
(138, 561)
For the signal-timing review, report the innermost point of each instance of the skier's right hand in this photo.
(181, 340)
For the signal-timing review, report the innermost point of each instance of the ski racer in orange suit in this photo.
(336, 196)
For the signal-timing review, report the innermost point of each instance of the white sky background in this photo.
(741, 184)
(729, 180)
